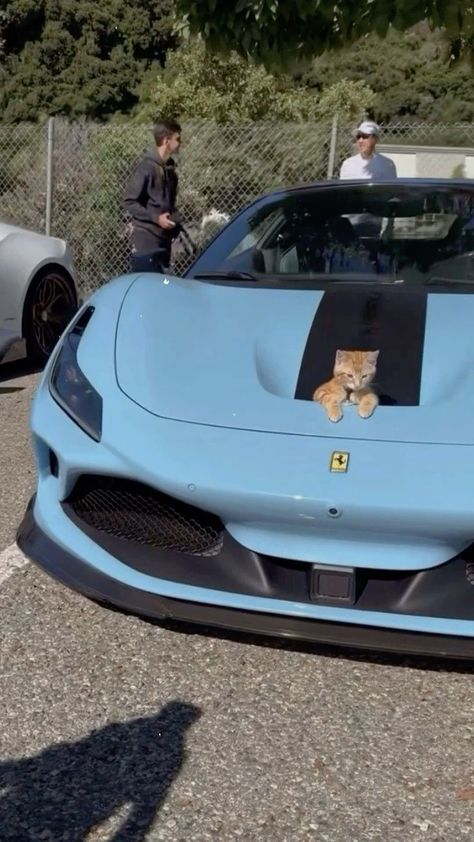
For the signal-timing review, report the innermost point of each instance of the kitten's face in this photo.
(355, 369)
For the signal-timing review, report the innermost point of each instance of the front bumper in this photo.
(300, 622)
(400, 507)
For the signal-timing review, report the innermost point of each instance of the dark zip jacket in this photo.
(150, 191)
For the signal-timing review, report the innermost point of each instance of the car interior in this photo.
(412, 240)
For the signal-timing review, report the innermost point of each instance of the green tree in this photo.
(279, 30)
(410, 73)
(79, 57)
(347, 98)
(198, 84)
(441, 96)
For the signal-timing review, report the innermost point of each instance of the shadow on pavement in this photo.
(7, 390)
(325, 650)
(71, 788)
(428, 663)
(17, 368)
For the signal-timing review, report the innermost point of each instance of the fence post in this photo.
(49, 176)
(332, 148)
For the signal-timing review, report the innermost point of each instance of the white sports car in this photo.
(37, 290)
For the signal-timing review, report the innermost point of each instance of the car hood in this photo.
(249, 358)
(7, 230)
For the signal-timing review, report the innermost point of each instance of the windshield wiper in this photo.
(436, 280)
(352, 278)
(227, 276)
(360, 277)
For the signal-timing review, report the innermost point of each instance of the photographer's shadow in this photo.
(68, 789)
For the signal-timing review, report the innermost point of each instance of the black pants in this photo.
(150, 253)
(151, 261)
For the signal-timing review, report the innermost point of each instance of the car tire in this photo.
(50, 303)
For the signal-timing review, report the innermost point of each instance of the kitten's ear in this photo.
(373, 356)
(339, 357)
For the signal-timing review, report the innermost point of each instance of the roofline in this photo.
(361, 182)
(413, 148)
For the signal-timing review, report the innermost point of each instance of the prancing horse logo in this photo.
(339, 462)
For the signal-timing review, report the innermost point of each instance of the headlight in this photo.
(70, 388)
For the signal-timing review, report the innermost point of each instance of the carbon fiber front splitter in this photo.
(87, 580)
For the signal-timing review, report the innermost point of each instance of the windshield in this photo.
(413, 234)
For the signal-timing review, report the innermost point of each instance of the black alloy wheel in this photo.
(50, 304)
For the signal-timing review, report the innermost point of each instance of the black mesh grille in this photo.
(138, 513)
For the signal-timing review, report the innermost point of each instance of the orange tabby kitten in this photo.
(353, 374)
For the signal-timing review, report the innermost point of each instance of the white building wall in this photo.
(430, 161)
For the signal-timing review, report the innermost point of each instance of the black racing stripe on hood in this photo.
(392, 321)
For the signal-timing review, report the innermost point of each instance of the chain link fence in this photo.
(67, 179)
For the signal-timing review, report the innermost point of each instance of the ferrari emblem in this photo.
(339, 462)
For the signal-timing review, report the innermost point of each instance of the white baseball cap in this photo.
(368, 127)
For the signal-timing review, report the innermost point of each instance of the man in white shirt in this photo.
(368, 163)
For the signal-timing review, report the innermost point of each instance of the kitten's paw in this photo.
(366, 407)
(334, 413)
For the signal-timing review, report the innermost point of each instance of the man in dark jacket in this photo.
(150, 199)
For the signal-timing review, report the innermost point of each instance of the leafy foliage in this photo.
(23, 174)
(82, 58)
(198, 84)
(79, 57)
(278, 31)
(410, 74)
(347, 98)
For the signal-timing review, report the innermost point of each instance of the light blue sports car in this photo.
(185, 471)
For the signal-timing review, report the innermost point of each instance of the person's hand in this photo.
(165, 221)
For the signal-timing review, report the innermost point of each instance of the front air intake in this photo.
(139, 514)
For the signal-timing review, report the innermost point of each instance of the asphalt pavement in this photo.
(118, 728)
(17, 384)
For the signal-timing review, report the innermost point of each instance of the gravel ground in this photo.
(118, 728)
(17, 384)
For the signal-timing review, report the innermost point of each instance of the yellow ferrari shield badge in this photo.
(339, 462)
